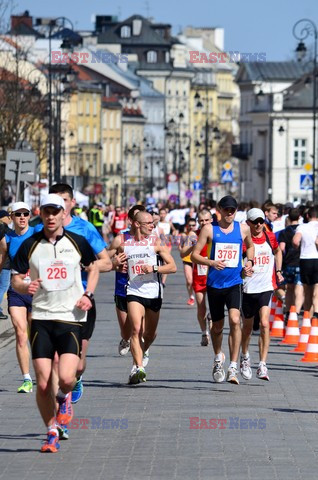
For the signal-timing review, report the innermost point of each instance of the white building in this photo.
(275, 131)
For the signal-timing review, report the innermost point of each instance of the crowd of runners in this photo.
(233, 255)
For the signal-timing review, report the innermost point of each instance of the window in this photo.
(94, 104)
(87, 107)
(105, 119)
(95, 134)
(111, 121)
(300, 152)
(81, 134)
(80, 107)
(125, 31)
(152, 56)
(118, 120)
(167, 57)
(87, 134)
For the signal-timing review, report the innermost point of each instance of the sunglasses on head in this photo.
(257, 221)
(21, 214)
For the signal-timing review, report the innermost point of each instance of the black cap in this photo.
(4, 213)
(228, 202)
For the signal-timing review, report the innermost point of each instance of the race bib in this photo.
(228, 252)
(119, 224)
(202, 270)
(56, 274)
(134, 269)
(261, 262)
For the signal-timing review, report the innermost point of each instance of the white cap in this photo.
(255, 213)
(52, 200)
(20, 206)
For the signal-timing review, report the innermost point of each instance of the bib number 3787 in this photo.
(228, 252)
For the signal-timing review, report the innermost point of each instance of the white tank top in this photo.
(165, 227)
(262, 278)
(140, 284)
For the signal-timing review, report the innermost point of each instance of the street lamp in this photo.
(307, 28)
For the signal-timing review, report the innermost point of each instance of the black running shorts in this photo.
(49, 336)
(308, 271)
(88, 326)
(253, 302)
(121, 303)
(219, 297)
(150, 303)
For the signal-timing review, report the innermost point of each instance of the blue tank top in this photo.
(121, 279)
(227, 247)
(14, 241)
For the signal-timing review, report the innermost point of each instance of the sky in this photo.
(251, 26)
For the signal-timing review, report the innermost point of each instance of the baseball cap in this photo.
(4, 213)
(52, 200)
(228, 202)
(255, 213)
(20, 206)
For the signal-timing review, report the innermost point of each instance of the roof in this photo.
(24, 29)
(299, 96)
(270, 71)
(148, 34)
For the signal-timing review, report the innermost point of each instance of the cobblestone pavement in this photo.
(144, 431)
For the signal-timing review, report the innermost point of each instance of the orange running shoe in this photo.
(190, 301)
(65, 411)
(51, 445)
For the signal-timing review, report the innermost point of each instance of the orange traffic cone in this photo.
(272, 314)
(292, 330)
(278, 328)
(311, 355)
(304, 333)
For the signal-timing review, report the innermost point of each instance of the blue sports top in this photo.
(14, 241)
(226, 247)
(87, 230)
(121, 279)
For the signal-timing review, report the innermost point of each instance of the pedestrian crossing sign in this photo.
(306, 182)
(227, 176)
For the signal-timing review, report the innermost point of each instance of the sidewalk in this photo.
(150, 431)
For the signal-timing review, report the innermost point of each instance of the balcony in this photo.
(242, 150)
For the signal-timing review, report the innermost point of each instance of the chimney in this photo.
(23, 19)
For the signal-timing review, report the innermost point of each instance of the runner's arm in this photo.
(204, 238)
(278, 264)
(188, 246)
(296, 239)
(3, 252)
(104, 263)
(250, 250)
(169, 266)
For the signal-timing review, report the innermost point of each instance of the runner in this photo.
(258, 290)
(19, 306)
(54, 258)
(144, 291)
(121, 279)
(119, 221)
(224, 281)
(186, 260)
(200, 277)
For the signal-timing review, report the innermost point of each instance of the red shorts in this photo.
(198, 282)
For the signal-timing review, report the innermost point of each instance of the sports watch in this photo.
(89, 295)
(155, 268)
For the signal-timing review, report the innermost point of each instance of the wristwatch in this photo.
(89, 295)
(278, 271)
(155, 268)
(250, 260)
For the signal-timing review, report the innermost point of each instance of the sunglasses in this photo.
(229, 210)
(257, 221)
(21, 214)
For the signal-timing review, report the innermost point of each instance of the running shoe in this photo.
(26, 387)
(218, 373)
(51, 445)
(63, 432)
(262, 372)
(205, 340)
(123, 347)
(231, 376)
(65, 410)
(77, 391)
(245, 367)
(145, 358)
(137, 375)
(190, 301)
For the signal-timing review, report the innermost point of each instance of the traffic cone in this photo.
(292, 330)
(311, 355)
(272, 314)
(278, 328)
(304, 333)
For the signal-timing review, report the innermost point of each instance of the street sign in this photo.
(227, 176)
(189, 194)
(306, 182)
(227, 166)
(20, 166)
(307, 167)
(197, 185)
(173, 198)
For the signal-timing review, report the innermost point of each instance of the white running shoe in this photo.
(245, 367)
(123, 347)
(133, 377)
(205, 340)
(145, 358)
(218, 372)
(262, 372)
(232, 376)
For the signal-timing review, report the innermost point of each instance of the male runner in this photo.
(19, 306)
(258, 290)
(59, 305)
(144, 290)
(224, 280)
